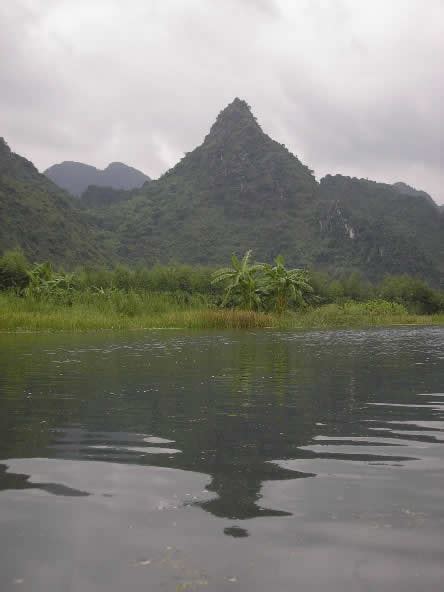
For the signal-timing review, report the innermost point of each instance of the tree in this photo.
(241, 282)
(284, 285)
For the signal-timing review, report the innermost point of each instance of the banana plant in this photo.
(45, 282)
(283, 285)
(241, 282)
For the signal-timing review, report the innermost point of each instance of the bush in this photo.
(357, 288)
(413, 293)
(347, 287)
(13, 271)
(383, 307)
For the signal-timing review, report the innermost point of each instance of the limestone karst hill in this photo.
(238, 190)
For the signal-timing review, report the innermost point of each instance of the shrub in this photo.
(413, 293)
(13, 271)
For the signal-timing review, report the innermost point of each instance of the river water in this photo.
(222, 461)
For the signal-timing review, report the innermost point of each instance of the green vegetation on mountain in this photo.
(374, 228)
(103, 197)
(405, 189)
(240, 189)
(38, 217)
(76, 177)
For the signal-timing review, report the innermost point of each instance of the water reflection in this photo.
(269, 461)
(10, 480)
(227, 406)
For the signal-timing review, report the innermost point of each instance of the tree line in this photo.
(245, 284)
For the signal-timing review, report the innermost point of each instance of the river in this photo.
(257, 461)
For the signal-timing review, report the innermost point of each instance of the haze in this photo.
(350, 86)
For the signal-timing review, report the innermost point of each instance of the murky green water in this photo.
(222, 461)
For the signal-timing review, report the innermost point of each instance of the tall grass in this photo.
(88, 311)
(358, 314)
(82, 311)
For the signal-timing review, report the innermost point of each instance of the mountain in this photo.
(75, 177)
(379, 229)
(39, 217)
(100, 197)
(240, 189)
(405, 189)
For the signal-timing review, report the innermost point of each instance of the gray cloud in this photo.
(351, 86)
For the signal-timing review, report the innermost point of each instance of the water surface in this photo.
(251, 461)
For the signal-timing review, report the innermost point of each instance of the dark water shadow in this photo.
(19, 481)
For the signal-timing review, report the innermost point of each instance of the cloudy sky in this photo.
(350, 86)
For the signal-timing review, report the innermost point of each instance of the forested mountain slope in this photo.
(374, 227)
(240, 189)
(36, 216)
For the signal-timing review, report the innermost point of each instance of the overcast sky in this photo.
(350, 86)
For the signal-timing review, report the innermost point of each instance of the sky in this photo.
(350, 86)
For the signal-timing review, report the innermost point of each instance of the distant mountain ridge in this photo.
(76, 177)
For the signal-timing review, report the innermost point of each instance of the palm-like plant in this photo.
(45, 282)
(241, 281)
(283, 285)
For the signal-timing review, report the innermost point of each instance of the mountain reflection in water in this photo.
(224, 405)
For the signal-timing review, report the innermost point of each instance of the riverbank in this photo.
(162, 311)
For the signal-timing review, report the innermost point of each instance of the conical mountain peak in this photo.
(238, 107)
(239, 163)
(236, 117)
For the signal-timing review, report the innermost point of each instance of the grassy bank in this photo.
(354, 314)
(147, 311)
(117, 311)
